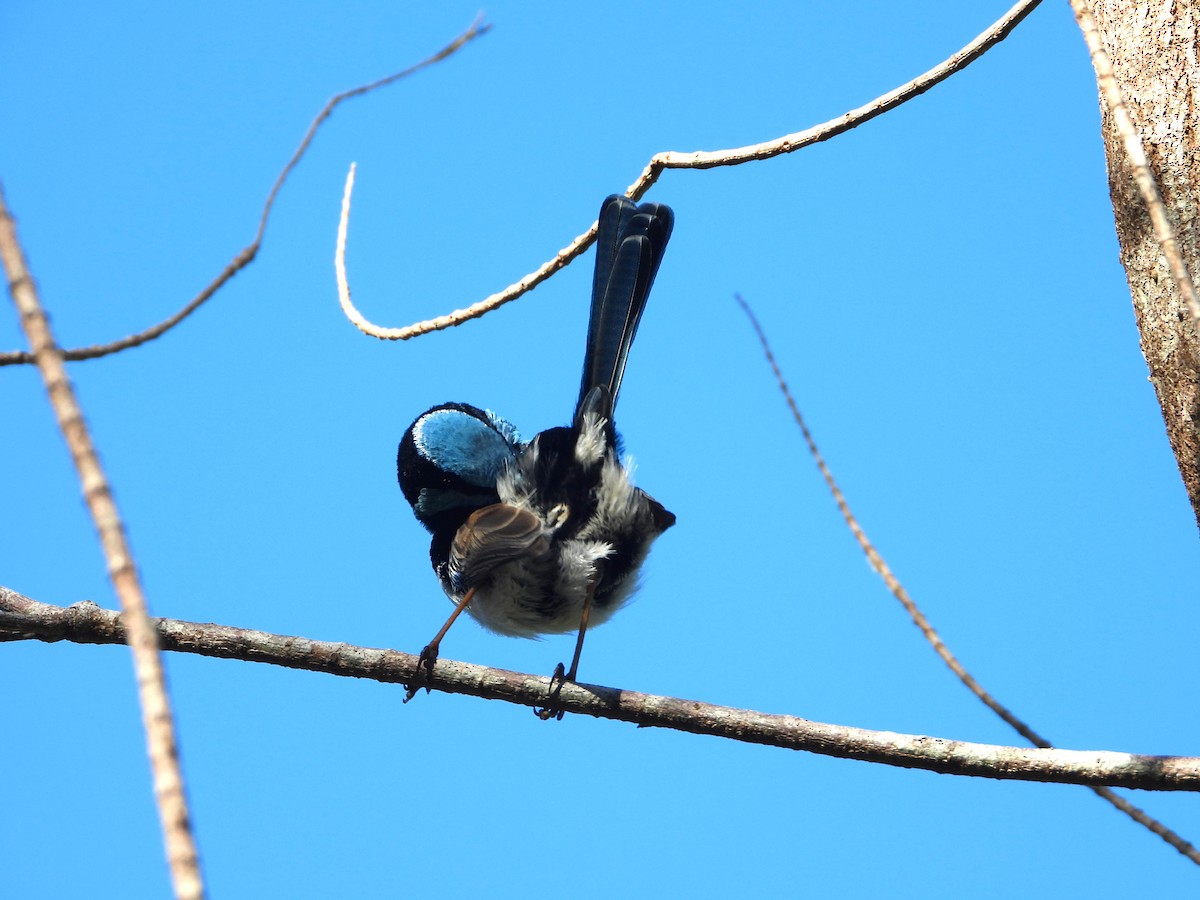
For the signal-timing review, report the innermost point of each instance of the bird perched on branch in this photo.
(545, 537)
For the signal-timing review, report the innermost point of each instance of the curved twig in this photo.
(670, 159)
(22, 618)
(247, 255)
(893, 584)
(458, 316)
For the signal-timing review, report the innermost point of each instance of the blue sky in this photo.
(941, 287)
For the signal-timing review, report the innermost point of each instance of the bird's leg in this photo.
(558, 679)
(429, 653)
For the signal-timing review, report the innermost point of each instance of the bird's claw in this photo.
(425, 661)
(557, 680)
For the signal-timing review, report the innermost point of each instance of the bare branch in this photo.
(22, 618)
(152, 690)
(699, 159)
(1164, 233)
(247, 255)
(560, 261)
(790, 143)
(919, 619)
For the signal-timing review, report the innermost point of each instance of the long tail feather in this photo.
(629, 250)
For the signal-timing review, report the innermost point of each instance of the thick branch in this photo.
(86, 623)
(1150, 124)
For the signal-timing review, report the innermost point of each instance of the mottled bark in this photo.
(1154, 55)
(24, 619)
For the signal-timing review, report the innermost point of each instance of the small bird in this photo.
(546, 537)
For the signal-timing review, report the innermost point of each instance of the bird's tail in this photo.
(629, 248)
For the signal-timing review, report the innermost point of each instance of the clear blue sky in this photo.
(941, 287)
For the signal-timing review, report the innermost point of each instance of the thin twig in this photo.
(152, 691)
(700, 159)
(893, 584)
(561, 259)
(247, 255)
(22, 618)
(791, 142)
(1135, 152)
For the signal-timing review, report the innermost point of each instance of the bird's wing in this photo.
(493, 536)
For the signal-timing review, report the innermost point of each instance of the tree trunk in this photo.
(1153, 48)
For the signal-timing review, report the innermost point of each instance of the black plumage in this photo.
(547, 536)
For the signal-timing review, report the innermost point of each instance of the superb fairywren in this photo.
(547, 536)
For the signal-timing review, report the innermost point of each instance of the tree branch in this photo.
(879, 564)
(1144, 54)
(157, 719)
(247, 255)
(699, 159)
(1135, 153)
(86, 623)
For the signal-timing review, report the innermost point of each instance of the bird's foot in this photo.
(557, 680)
(425, 663)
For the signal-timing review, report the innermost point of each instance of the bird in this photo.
(546, 536)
